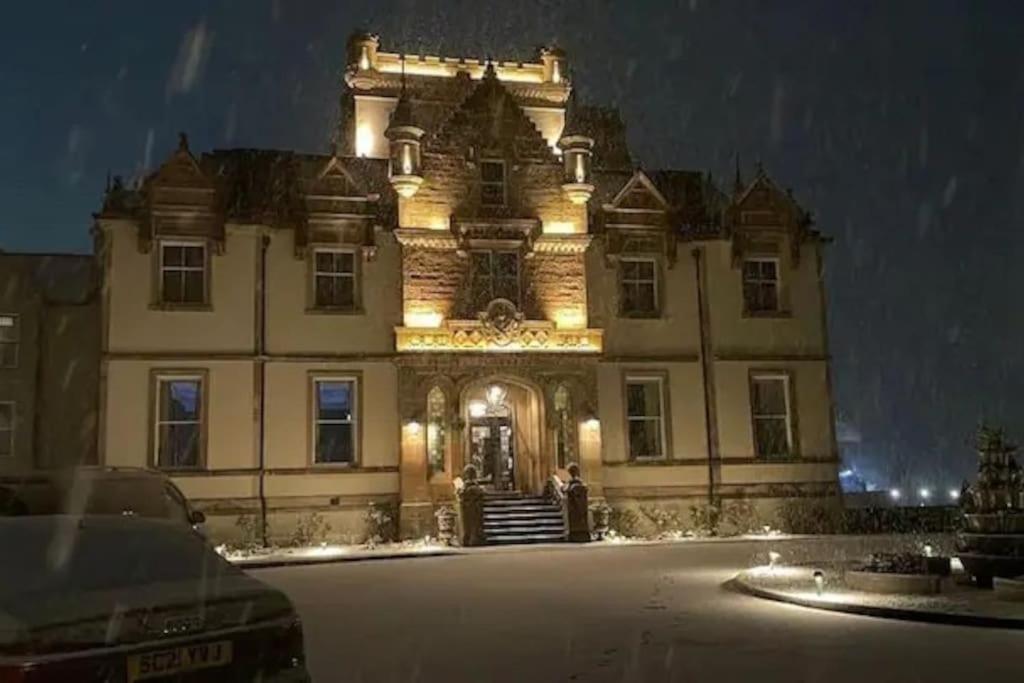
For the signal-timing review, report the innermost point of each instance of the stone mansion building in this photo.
(478, 274)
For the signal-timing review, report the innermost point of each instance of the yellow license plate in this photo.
(178, 659)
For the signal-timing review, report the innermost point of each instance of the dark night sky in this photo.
(898, 123)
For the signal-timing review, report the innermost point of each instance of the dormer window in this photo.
(492, 183)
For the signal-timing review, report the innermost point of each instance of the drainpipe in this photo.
(707, 373)
(261, 380)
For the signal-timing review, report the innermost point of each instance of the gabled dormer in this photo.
(764, 218)
(180, 200)
(637, 222)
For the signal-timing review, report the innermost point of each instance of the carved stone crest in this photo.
(501, 321)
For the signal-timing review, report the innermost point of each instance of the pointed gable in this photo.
(490, 119)
(763, 204)
(181, 200)
(640, 194)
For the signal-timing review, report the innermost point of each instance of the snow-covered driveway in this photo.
(630, 613)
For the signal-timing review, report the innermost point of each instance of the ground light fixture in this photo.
(819, 581)
(773, 558)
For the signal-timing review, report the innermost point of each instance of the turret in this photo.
(555, 66)
(577, 156)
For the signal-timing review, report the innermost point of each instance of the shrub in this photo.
(666, 521)
(810, 515)
(310, 529)
(380, 520)
(705, 518)
(250, 538)
(741, 517)
(625, 522)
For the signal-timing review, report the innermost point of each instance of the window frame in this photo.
(492, 277)
(492, 183)
(791, 437)
(12, 431)
(157, 379)
(655, 284)
(355, 276)
(777, 283)
(315, 378)
(14, 343)
(161, 267)
(646, 377)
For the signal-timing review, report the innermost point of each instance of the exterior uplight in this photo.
(819, 581)
(773, 558)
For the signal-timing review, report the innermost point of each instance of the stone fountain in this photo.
(992, 541)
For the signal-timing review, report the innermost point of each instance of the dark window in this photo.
(9, 340)
(6, 429)
(638, 284)
(179, 422)
(492, 183)
(769, 399)
(495, 276)
(335, 421)
(645, 417)
(183, 273)
(761, 285)
(335, 279)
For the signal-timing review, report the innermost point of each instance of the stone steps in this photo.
(511, 517)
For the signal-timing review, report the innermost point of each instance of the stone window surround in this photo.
(791, 415)
(314, 377)
(10, 432)
(497, 247)
(357, 276)
(157, 281)
(662, 377)
(11, 321)
(156, 377)
(434, 473)
(658, 295)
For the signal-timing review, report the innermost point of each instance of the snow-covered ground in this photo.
(633, 613)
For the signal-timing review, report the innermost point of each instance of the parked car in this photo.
(125, 598)
(98, 491)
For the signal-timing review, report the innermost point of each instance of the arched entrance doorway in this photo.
(503, 434)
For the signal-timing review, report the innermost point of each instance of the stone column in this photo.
(416, 513)
(590, 456)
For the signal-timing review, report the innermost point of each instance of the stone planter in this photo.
(446, 518)
(1009, 589)
(601, 515)
(907, 584)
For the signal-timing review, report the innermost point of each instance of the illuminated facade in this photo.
(478, 275)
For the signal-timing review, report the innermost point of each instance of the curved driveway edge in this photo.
(740, 586)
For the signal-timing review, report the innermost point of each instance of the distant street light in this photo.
(894, 494)
(954, 494)
(925, 494)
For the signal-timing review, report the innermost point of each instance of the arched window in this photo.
(564, 451)
(436, 430)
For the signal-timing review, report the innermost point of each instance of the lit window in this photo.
(6, 429)
(492, 183)
(563, 428)
(638, 287)
(335, 415)
(179, 422)
(761, 285)
(495, 276)
(645, 417)
(769, 403)
(334, 279)
(182, 273)
(436, 430)
(9, 339)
